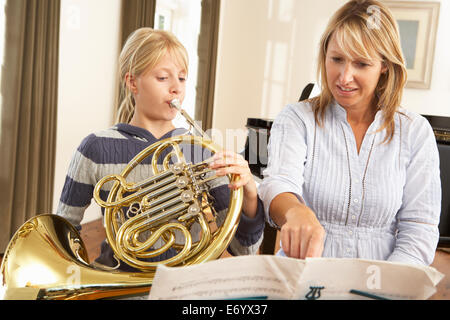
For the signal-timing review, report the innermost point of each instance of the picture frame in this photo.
(417, 22)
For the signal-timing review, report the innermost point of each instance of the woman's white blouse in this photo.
(383, 203)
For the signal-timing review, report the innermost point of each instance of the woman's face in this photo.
(157, 87)
(352, 81)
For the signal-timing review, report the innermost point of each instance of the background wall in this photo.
(89, 47)
(268, 52)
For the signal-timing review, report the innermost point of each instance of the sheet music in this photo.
(389, 280)
(275, 277)
(234, 277)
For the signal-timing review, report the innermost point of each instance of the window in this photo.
(182, 18)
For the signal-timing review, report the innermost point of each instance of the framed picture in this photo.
(417, 23)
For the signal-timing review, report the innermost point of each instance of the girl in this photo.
(153, 71)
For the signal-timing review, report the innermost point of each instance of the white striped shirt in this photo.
(382, 204)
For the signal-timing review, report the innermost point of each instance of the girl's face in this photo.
(154, 89)
(352, 81)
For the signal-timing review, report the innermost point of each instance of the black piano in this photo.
(441, 128)
(255, 153)
(256, 144)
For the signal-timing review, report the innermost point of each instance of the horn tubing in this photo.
(41, 254)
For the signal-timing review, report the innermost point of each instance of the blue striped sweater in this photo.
(108, 152)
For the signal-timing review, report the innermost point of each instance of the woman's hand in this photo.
(301, 234)
(228, 162)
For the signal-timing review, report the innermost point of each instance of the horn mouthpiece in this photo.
(175, 103)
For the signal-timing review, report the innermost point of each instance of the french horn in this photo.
(47, 259)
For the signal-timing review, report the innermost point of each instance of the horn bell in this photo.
(47, 260)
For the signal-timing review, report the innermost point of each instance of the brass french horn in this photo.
(47, 259)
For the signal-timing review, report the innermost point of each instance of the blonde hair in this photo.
(141, 52)
(362, 28)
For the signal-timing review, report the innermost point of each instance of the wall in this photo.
(267, 51)
(265, 58)
(267, 54)
(89, 48)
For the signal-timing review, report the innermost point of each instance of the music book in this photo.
(277, 277)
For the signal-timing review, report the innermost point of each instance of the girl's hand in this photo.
(228, 162)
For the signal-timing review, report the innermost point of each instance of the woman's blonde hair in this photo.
(362, 28)
(142, 51)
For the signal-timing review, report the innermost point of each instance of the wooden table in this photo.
(442, 264)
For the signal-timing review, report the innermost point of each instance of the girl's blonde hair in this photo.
(142, 51)
(363, 28)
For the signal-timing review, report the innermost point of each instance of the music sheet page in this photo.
(382, 279)
(235, 277)
(275, 277)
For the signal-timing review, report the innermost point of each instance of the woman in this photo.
(357, 175)
(153, 68)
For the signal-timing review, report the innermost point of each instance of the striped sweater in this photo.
(108, 152)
